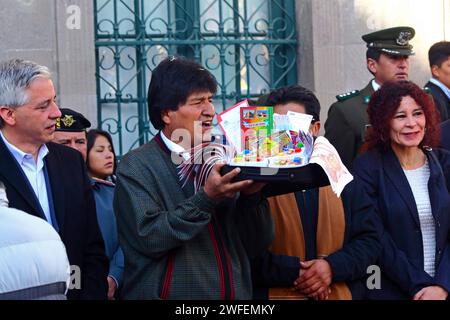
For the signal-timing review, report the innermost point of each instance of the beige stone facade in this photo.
(331, 57)
(332, 53)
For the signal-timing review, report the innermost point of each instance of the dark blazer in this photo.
(440, 99)
(74, 209)
(445, 135)
(347, 122)
(401, 260)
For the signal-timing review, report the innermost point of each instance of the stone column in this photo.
(76, 56)
(60, 35)
(28, 31)
(331, 56)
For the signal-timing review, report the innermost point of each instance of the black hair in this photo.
(373, 53)
(172, 82)
(296, 94)
(253, 102)
(91, 136)
(438, 53)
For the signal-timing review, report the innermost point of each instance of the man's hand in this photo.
(218, 187)
(431, 293)
(112, 287)
(315, 279)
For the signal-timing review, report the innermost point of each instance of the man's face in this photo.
(191, 124)
(314, 128)
(442, 73)
(34, 123)
(75, 140)
(389, 68)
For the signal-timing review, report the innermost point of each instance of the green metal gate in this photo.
(250, 47)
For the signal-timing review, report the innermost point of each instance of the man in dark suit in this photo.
(439, 84)
(387, 56)
(445, 135)
(46, 179)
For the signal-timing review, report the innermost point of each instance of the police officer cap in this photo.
(392, 41)
(71, 121)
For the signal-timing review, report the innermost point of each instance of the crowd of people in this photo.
(90, 228)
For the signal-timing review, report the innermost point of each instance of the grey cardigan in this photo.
(181, 245)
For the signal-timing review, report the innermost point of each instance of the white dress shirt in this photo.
(175, 148)
(3, 198)
(34, 171)
(375, 85)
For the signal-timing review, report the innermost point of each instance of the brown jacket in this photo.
(289, 236)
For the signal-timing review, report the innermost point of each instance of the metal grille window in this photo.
(249, 46)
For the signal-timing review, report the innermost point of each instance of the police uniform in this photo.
(347, 119)
(71, 121)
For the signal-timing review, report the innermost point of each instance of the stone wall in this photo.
(60, 35)
(332, 53)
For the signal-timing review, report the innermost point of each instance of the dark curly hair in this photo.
(384, 104)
